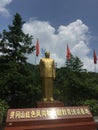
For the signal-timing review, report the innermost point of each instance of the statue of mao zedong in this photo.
(47, 71)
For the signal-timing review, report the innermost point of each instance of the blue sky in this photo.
(57, 23)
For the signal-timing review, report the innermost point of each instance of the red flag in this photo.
(37, 48)
(68, 53)
(95, 57)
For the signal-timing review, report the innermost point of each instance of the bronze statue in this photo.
(47, 70)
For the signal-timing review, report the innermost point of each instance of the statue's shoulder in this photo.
(51, 59)
(42, 60)
(46, 59)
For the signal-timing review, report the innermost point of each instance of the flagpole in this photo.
(35, 59)
(95, 68)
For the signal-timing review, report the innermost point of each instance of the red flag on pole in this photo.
(95, 57)
(37, 48)
(68, 52)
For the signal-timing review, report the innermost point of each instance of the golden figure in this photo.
(47, 70)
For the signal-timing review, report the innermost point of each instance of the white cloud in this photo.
(75, 34)
(3, 10)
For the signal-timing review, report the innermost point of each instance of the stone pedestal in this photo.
(53, 118)
(42, 104)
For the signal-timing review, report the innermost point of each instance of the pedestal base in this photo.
(42, 104)
(59, 118)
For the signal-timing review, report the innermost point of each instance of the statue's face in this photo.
(47, 54)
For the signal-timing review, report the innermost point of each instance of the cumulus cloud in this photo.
(75, 34)
(3, 10)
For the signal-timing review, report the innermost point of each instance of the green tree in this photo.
(74, 64)
(15, 44)
(77, 86)
(3, 109)
(70, 81)
(16, 78)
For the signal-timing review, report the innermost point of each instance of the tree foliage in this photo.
(14, 44)
(75, 86)
(17, 85)
(74, 64)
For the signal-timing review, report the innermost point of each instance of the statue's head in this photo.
(47, 54)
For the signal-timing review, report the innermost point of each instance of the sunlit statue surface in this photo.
(47, 71)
